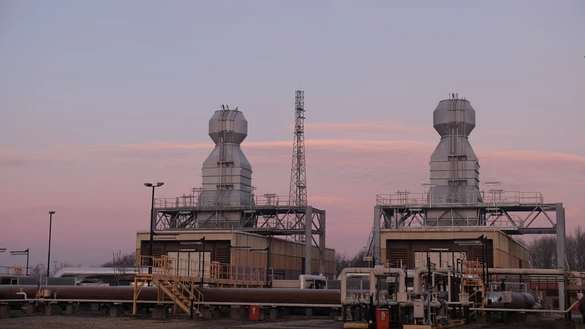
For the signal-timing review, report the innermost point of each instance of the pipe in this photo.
(304, 277)
(418, 274)
(511, 271)
(22, 293)
(521, 310)
(449, 286)
(118, 301)
(372, 273)
(97, 271)
(227, 295)
(534, 271)
(352, 270)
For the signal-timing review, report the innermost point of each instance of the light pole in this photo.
(158, 184)
(203, 274)
(51, 213)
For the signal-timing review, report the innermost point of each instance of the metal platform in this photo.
(268, 215)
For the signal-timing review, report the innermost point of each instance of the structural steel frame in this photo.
(513, 213)
(265, 216)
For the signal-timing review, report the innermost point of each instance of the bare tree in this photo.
(38, 271)
(61, 265)
(543, 252)
(575, 249)
(341, 261)
(122, 260)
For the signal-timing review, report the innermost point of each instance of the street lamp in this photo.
(51, 213)
(22, 253)
(152, 224)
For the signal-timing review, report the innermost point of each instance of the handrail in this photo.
(489, 198)
(208, 272)
(201, 202)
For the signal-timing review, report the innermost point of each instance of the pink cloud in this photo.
(385, 127)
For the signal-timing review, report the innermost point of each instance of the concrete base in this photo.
(238, 313)
(105, 310)
(159, 313)
(531, 318)
(516, 318)
(207, 313)
(52, 309)
(560, 324)
(273, 314)
(116, 311)
(334, 314)
(29, 308)
(4, 311)
(71, 309)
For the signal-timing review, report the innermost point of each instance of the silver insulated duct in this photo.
(226, 179)
(454, 166)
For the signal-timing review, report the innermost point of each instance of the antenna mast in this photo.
(298, 176)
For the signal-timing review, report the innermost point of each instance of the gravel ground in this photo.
(100, 322)
(82, 322)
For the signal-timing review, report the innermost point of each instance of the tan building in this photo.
(237, 251)
(409, 246)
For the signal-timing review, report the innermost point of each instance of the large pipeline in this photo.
(245, 295)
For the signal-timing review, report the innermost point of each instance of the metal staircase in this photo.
(472, 282)
(180, 289)
(182, 293)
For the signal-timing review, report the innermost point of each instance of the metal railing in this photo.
(195, 202)
(206, 272)
(504, 198)
(13, 270)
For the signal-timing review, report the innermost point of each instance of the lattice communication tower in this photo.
(298, 175)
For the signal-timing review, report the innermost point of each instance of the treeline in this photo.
(543, 251)
(119, 259)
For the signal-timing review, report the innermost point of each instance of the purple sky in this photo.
(98, 97)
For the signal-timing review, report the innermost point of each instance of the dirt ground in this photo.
(96, 322)
(100, 322)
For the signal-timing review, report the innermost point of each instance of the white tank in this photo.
(509, 299)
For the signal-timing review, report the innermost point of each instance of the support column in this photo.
(308, 238)
(322, 243)
(377, 243)
(561, 251)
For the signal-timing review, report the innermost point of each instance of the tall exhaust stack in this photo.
(454, 167)
(226, 179)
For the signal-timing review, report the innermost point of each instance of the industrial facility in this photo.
(461, 237)
(441, 258)
(226, 225)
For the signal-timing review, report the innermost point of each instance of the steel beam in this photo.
(322, 249)
(308, 239)
(561, 252)
(377, 243)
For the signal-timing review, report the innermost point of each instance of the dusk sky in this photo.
(98, 97)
